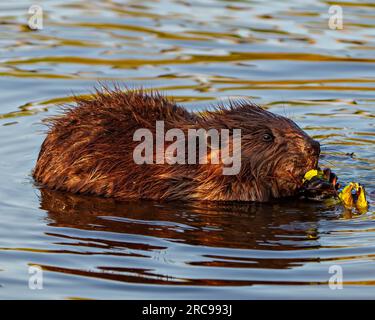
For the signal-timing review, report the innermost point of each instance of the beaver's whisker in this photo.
(323, 139)
(329, 145)
(329, 148)
(327, 161)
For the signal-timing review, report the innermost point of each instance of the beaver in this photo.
(89, 149)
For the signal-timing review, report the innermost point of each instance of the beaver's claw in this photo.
(331, 177)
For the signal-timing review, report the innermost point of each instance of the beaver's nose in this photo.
(314, 148)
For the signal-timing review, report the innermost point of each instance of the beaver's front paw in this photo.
(331, 177)
(319, 184)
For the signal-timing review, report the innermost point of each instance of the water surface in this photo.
(281, 54)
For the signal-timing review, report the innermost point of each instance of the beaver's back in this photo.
(89, 149)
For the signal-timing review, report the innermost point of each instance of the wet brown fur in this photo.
(89, 149)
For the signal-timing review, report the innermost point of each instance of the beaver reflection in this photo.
(266, 228)
(281, 226)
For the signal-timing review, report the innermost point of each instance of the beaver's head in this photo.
(275, 152)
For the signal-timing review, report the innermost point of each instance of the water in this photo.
(281, 54)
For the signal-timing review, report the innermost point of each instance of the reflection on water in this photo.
(281, 54)
(208, 225)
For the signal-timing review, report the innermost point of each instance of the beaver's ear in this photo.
(246, 108)
(245, 105)
(232, 106)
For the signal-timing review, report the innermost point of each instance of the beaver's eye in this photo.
(267, 137)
